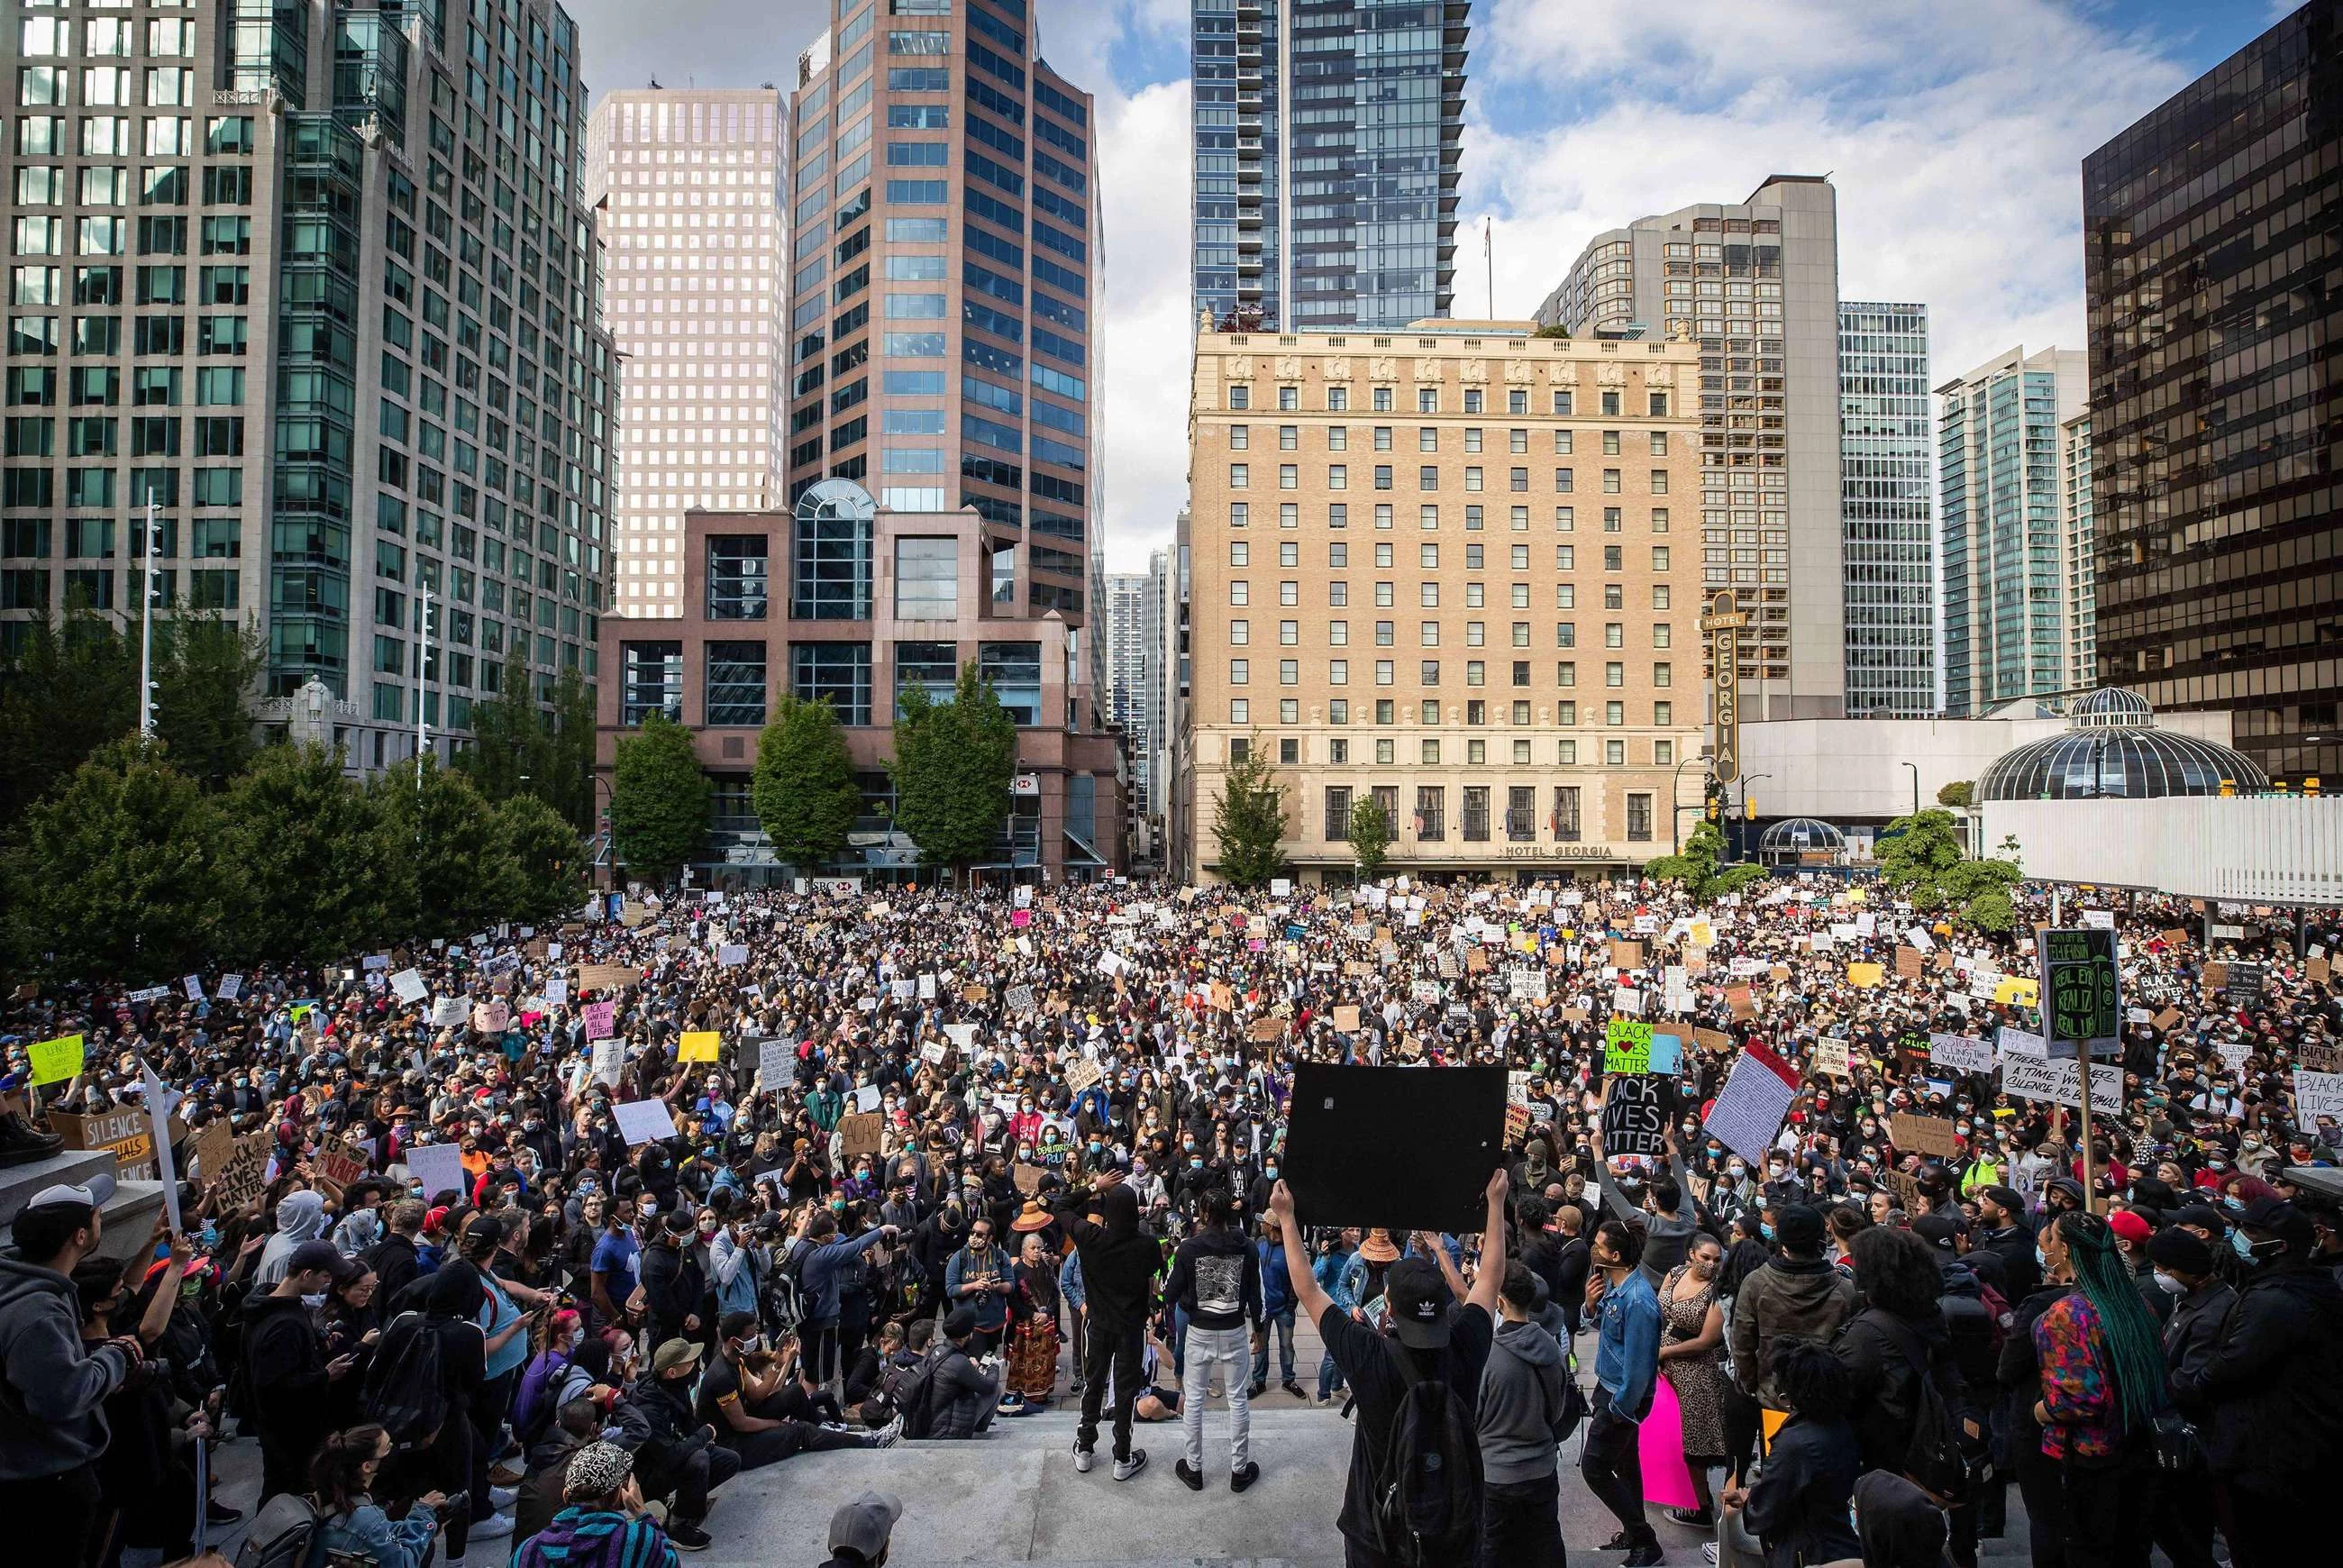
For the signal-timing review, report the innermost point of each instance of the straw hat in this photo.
(1033, 1217)
(1379, 1248)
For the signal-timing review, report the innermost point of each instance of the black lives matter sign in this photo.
(2081, 1001)
(1636, 1116)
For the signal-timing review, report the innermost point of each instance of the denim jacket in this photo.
(367, 1532)
(1627, 1358)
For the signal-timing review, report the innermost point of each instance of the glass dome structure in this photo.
(1795, 839)
(2112, 750)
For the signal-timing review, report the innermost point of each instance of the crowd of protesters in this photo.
(522, 1245)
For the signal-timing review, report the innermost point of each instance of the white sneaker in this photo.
(888, 1435)
(1083, 1459)
(495, 1527)
(503, 1496)
(1124, 1469)
(1708, 1550)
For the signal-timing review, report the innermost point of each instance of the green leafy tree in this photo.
(1959, 793)
(122, 871)
(324, 870)
(1250, 821)
(1696, 866)
(567, 780)
(463, 876)
(206, 672)
(1370, 834)
(803, 786)
(69, 689)
(520, 747)
(658, 800)
(547, 859)
(954, 763)
(1921, 858)
(506, 728)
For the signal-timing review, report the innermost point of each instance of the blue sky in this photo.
(1955, 135)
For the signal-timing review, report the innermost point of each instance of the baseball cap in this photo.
(673, 1354)
(959, 1323)
(92, 1193)
(2179, 1248)
(312, 1255)
(863, 1525)
(2132, 1227)
(1939, 1231)
(1419, 1299)
(2276, 1217)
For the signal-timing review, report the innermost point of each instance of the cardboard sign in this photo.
(1266, 1029)
(1346, 1120)
(1712, 1040)
(1961, 1052)
(1346, 1019)
(1742, 1001)
(1831, 1058)
(607, 977)
(125, 1132)
(1636, 1116)
(700, 1045)
(55, 1060)
(243, 1175)
(214, 1145)
(1082, 1075)
(1627, 1046)
(643, 1122)
(2038, 1077)
(1909, 964)
(339, 1162)
(1933, 1136)
(1627, 955)
(1756, 1096)
(860, 1134)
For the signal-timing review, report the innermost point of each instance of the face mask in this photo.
(1095, 1146)
(313, 1301)
(839, 1207)
(211, 1236)
(1767, 1230)
(1736, 1171)
(2267, 1248)
(2042, 1260)
(1197, 1163)
(2169, 1285)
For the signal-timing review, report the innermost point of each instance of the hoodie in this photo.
(1521, 1393)
(52, 1394)
(301, 1217)
(1119, 1262)
(1789, 1298)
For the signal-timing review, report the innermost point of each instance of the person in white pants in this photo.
(1216, 1283)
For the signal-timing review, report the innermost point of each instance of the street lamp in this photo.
(1746, 780)
(1675, 814)
(1915, 786)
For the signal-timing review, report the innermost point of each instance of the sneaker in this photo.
(1241, 1479)
(495, 1527)
(1124, 1469)
(1083, 1459)
(889, 1435)
(1256, 1390)
(505, 1475)
(1647, 1556)
(219, 1513)
(21, 1143)
(503, 1496)
(1190, 1477)
(1690, 1518)
(1296, 1388)
(1622, 1542)
(685, 1536)
(1708, 1550)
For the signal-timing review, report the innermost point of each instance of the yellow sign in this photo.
(56, 1058)
(1703, 934)
(2010, 989)
(700, 1045)
(1864, 974)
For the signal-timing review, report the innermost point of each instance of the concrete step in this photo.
(72, 1167)
(129, 1217)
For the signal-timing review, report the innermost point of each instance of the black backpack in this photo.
(285, 1533)
(911, 1390)
(1937, 1460)
(1427, 1507)
(406, 1394)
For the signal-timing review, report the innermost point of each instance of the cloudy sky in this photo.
(1954, 136)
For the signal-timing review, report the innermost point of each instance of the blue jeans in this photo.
(1330, 1377)
(1284, 1322)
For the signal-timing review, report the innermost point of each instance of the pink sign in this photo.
(601, 1019)
(1020, 918)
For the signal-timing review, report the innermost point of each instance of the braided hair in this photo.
(2135, 1349)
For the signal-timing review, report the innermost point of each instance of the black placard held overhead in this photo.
(1403, 1148)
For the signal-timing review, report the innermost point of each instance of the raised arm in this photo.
(1492, 1277)
(1307, 1292)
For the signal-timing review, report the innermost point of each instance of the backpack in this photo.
(1564, 1418)
(406, 1394)
(285, 1533)
(780, 1294)
(1427, 1507)
(1936, 1459)
(911, 1390)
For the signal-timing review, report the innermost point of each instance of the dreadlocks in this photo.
(2133, 1346)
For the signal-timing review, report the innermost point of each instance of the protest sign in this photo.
(1756, 1095)
(1908, 963)
(643, 1120)
(339, 1162)
(1266, 1029)
(1712, 1040)
(700, 1045)
(408, 986)
(208, 1148)
(962, 1035)
(1667, 1054)
(1961, 1052)
(491, 1017)
(1346, 1019)
(606, 977)
(601, 1019)
(1082, 1075)
(2010, 991)
(2317, 1094)
(439, 1168)
(2039, 1078)
(777, 1064)
(1927, 1135)
(1865, 976)
(56, 1060)
(1634, 1116)
(1348, 1120)
(860, 1134)
(125, 1132)
(1830, 1057)
(1627, 1046)
(242, 1175)
(1741, 1001)
(2010, 1043)
(731, 955)
(610, 1060)
(2085, 994)
(1020, 998)
(231, 987)
(449, 1012)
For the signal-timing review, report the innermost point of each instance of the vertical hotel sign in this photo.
(1723, 623)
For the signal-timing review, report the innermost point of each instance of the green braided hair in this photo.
(2135, 1349)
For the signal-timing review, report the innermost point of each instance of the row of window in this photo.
(1429, 823)
(31, 588)
(1427, 478)
(1566, 518)
(1338, 673)
(1427, 439)
(1337, 634)
(735, 678)
(1381, 400)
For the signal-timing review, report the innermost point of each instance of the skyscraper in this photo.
(336, 313)
(1886, 510)
(2081, 552)
(1755, 284)
(2210, 266)
(2006, 539)
(1134, 671)
(685, 190)
(945, 244)
(1327, 139)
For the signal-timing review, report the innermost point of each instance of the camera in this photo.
(458, 1505)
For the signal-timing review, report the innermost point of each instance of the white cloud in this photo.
(1957, 160)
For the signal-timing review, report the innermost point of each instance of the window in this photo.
(1338, 813)
(1521, 805)
(1430, 809)
(1639, 818)
(1564, 820)
(650, 682)
(1476, 813)
(836, 672)
(927, 579)
(1240, 477)
(738, 576)
(736, 684)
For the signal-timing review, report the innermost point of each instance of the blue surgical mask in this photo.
(1767, 1231)
(2041, 1259)
(2238, 1241)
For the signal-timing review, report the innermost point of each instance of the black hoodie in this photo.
(1119, 1262)
(285, 1358)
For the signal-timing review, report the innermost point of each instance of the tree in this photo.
(206, 669)
(121, 872)
(464, 878)
(954, 763)
(69, 689)
(1696, 866)
(658, 800)
(325, 874)
(1250, 821)
(803, 787)
(1370, 834)
(1960, 794)
(547, 861)
(1921, 858)
(520, 748)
